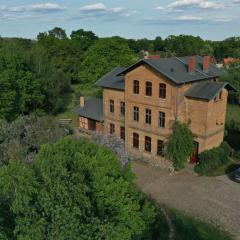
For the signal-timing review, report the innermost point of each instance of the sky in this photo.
(211, 19)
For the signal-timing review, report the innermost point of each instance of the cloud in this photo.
(192, 4)
(41, 8)
(236, 1)
(99, 10)
(189, 18)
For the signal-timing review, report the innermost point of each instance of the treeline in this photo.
(36, 75)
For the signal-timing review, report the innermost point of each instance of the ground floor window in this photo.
(112, 128)
(135, 140)
(160, 148)
(122, 133)
(148, 144)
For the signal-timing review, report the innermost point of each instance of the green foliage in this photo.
(232, 76)
(213, 158)
(180, 145)
(102, 57)
(74, 190)
(190, 229)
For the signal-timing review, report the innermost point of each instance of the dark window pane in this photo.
(162, 90)
(135, 140)
(111, 106)
(112, 128)
(160, 148)
(161, 120)
(122, 133)
(136, 87)
(148, 144)
(136, 113)
(148, 116)
(122, 108)
(148, 89)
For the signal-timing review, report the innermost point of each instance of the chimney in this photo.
(191, 64)
(206, 62)
(82, 101)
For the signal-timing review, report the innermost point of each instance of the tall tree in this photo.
(102, 57)
(74, 190)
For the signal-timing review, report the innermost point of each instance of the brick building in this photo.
(141, 102)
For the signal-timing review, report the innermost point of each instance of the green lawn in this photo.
(188, 228)
(233, 112)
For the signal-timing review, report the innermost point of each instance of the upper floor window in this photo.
(162, 90)
(220, 95)
(111, 106)
(136, 87)
(122, 133)
(136, 113)
(135, 140)
(161, 120)
(148, 89)
(148, 144)
(160, 148)
(112, 128)
(148, 117)
(122, 108)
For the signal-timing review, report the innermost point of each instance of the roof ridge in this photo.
(203, 73)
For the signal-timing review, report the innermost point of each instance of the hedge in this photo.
(213, 158)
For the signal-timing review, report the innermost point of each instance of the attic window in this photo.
(172, 69)
(220, 95)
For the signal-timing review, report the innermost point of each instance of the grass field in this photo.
(233, 113)
(191, 229)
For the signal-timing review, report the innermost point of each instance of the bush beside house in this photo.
(213, 158)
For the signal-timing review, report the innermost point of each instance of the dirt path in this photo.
(215, 200)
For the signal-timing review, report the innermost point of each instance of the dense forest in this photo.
(35, 75)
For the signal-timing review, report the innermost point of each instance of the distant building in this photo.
(230, 60)
(141, 102)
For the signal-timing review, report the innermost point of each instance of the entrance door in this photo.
(194, 157)
(91, 125)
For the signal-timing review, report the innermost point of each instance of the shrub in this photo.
(213, 158)
(180, 145)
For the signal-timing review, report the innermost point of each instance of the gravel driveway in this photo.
(212, 199)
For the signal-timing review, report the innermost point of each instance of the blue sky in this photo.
(211, 19)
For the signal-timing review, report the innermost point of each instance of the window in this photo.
(111, 106)
(112, 128)
(162, 90)
(122, 133)
(136, 87)
(122, 108)
(148, 89)
(148, 117)
(136, 113)
(220, 95)
(161, 120)
(148, 144)
(135, 140)
(160, 148)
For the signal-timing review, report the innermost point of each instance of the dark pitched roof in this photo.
(92, 109)
(112, 80)
(176, 69)
(207, 90)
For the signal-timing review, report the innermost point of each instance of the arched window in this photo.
(162, 90)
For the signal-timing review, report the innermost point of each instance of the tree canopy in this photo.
(103, 56)
(74, 190)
